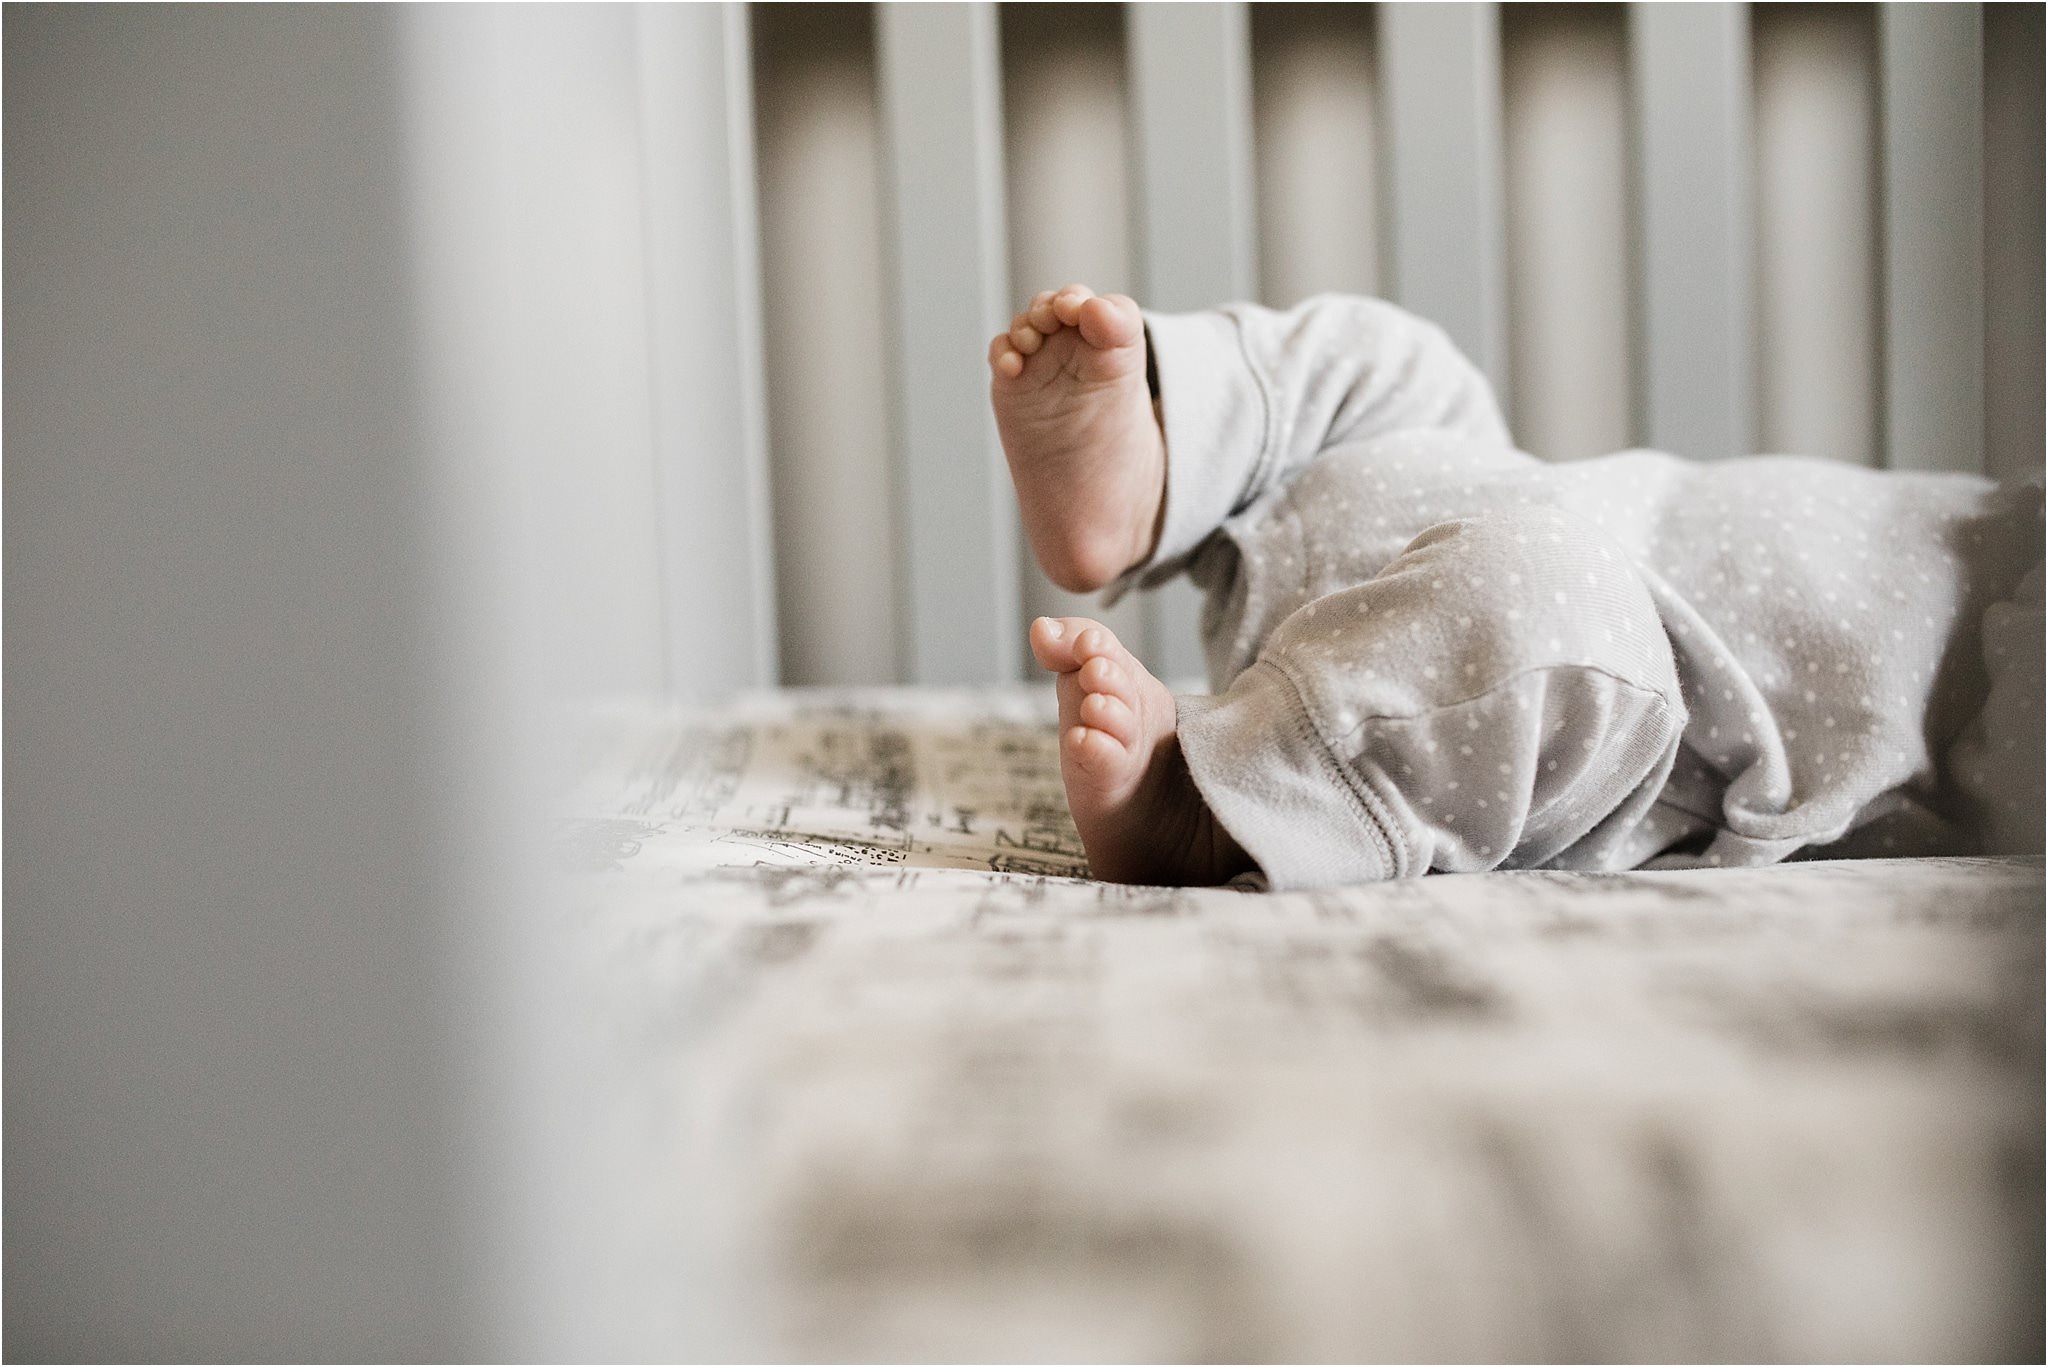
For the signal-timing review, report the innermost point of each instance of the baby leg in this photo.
(1250, 396)
(1501, 695)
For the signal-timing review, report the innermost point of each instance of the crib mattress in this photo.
(940, 1096)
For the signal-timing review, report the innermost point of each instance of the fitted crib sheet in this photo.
(942, 1096)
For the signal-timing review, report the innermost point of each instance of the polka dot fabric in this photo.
(1728, 663)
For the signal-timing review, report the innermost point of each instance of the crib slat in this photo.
(710, 428)
(2015, 359)
(1819, 319)
(938, 77)
(1690, 71)
(1932, 71)
(1190, 83)
(1446, 244)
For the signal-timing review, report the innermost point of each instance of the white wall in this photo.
(828, 379)
(1316, 150)
(1565, 116)
(1818, 266)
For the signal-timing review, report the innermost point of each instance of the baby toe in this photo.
(1103, 675)
(1109, 321)
(1066, 304)
(1098, 640)
(1040, 312)
(1111, 715)
(1003, 358)
(1053, 639)
(1095, 752)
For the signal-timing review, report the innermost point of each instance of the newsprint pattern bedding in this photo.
(934, 1094)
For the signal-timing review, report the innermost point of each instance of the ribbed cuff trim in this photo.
(1277, 788)
(1217, 424)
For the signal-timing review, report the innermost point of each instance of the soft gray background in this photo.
(377, 378)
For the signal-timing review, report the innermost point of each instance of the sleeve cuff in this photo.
(1217, 426)
(1274, 784)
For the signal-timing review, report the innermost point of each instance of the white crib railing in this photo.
(1734, 329)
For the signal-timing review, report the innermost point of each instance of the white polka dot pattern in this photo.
(1830, 634)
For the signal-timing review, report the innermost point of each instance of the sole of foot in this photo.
(1081, 434)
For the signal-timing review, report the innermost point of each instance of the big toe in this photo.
(1055, 641)
(1111, 320)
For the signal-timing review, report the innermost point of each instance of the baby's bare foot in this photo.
(1079, 429)
(1139, 813)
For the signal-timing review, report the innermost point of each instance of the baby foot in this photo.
(1081, 433)
(1140, 815)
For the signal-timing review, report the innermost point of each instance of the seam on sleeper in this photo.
(1267, 437)
(1664, 703)
(1365, 804)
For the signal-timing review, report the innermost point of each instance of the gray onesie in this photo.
(1435, 652)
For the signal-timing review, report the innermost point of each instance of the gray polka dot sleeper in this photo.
(1434, 652)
